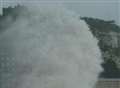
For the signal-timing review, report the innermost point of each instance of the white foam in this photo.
(51, 48)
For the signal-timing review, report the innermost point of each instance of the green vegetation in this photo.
(108, 34)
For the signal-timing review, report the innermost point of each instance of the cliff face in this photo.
(108, 34)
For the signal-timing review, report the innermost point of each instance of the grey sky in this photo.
(104, 9)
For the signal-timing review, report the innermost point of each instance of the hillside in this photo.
(108, 34)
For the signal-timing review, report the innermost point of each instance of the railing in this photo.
(108, 83)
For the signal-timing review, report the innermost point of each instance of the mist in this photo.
(48, 47)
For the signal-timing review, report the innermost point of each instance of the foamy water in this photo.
(49, 47)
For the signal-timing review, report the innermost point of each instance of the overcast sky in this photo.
(104, 9)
